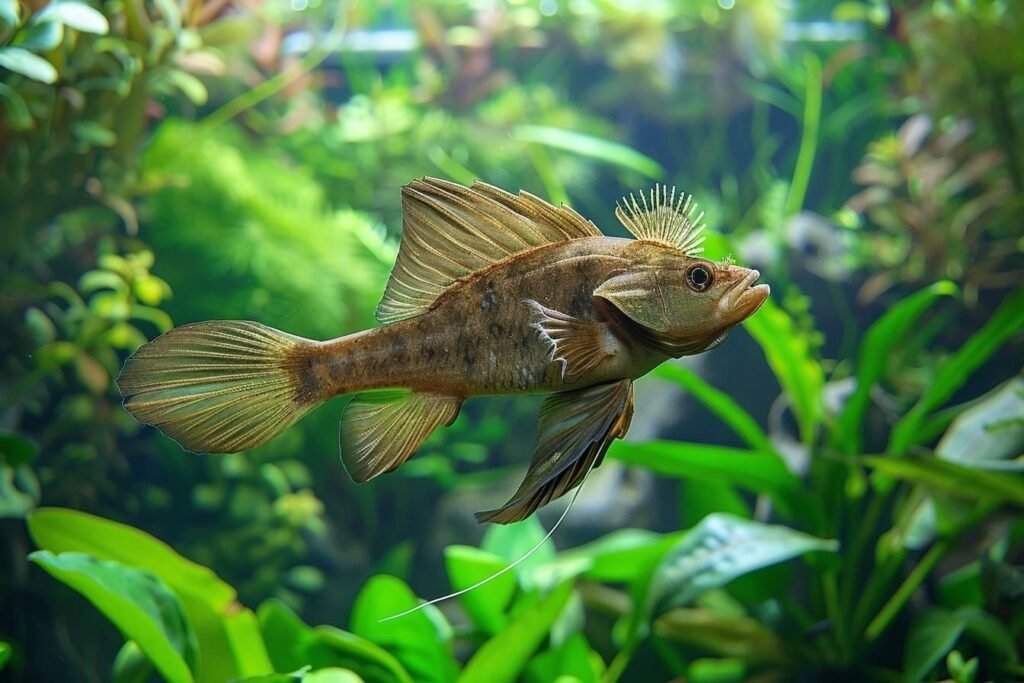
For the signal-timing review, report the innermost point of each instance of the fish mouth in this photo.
(745, 297)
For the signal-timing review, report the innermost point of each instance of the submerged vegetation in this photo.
(837, 491)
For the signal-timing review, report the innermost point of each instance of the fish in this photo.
(491, 293)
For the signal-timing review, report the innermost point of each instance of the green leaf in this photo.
(931, 637)
(719, 403)
(955, 479)
(6, 652)
(20, 60)
(39, 36)
(762, 473)
(93, 134)
(1005, 323)
(9, 12)
(589, 146)
(141, 606)
(76, 15)
(573, 660)
(723, 635)
(511, 541)
(788, 351)
(15, 110)
(420, 641)
(292, 644)
(719, 549)
(17, 450)
(131, 665)
(618, 556)
(875, 349)
(188, 84)
(501, 658)
(486, 604)
(990, 432)
(219, 622)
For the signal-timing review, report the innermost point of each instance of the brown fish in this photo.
(491, 293)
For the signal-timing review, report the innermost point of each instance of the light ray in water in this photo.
(498, 573)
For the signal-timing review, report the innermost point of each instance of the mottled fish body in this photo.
(492, 293)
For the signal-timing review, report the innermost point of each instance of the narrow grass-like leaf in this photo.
(1007, 321)
(718, 402)
(614, 153)
(788, 351)
(141, 606)
(756, 471)
(953, 478)
(874, 352)
(722, 634)
(501, 658)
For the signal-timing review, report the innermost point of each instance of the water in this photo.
(811, 499)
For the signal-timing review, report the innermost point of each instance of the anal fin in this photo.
(580, 345)
(576, 428)
(381, 430)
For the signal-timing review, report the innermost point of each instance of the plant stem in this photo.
(906, 589)
(621, 661)
(834, 610)
(809, 136)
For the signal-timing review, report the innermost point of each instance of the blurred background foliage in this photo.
(179, 160)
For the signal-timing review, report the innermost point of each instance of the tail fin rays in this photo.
(218, 386)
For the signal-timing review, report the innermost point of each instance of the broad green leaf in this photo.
(511, 541)
(39, 36)
(20, 60)
(420, 641)
(722, 635)
(990, 432)
(211, 604)
(1005, 323)
(16, 449)
(76, 15)
(15, 109)
(931, 637)
(788, 351)
(572, 660)
(141, 606)
(616, 557)
(875, 349)
(486, 604)
(60, 530)
(759, 472)
(503, 657)
(719, 549)
(953, 478)
(6, 652)
(292, 644)
(716, 671)
(589, 146)
(131, 665)
(718, 402)
(9, 12)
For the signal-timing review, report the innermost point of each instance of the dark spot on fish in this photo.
(496, 329)
(489, 301)
(427, 353)
(307, 383)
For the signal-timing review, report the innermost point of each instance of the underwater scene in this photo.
(487, 341)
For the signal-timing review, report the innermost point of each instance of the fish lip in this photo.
(744, 297)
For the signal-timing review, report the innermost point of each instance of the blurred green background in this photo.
(835, 493)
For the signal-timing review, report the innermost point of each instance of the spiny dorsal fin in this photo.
(665, 218)
(450, 231)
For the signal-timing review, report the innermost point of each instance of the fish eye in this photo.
(698, 278)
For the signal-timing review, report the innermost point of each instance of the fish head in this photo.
(683, 304)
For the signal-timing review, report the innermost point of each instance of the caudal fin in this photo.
(219, 386)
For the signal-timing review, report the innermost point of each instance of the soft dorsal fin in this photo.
(450, 231)
(665, 218)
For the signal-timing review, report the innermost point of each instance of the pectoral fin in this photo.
(576, 428)
(580, 345)
(380, 431)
